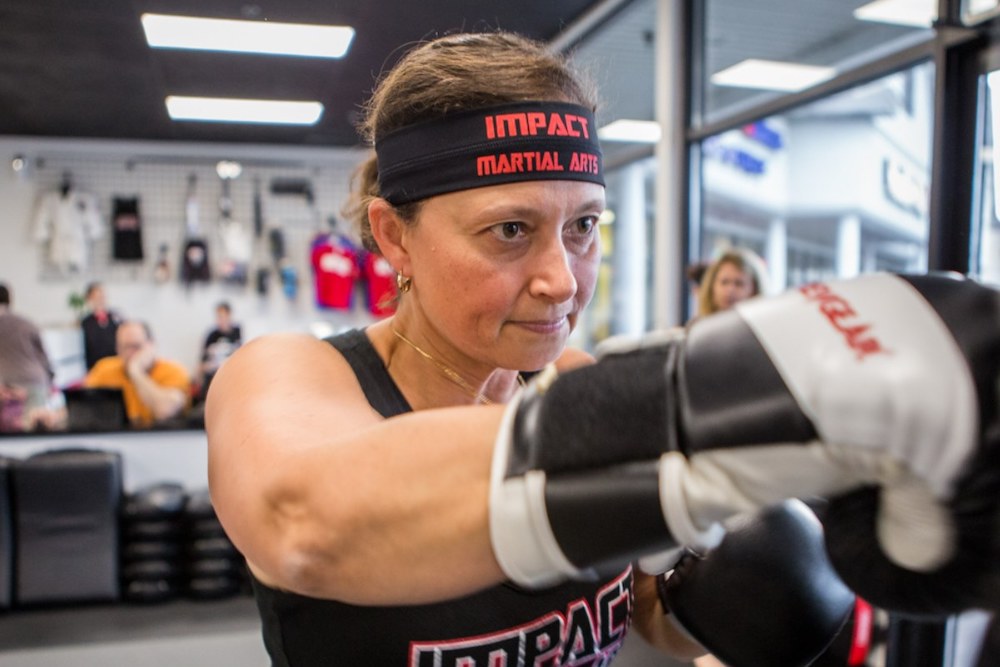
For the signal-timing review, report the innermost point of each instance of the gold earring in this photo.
(403, 283)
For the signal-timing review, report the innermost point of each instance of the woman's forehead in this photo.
(527, 195)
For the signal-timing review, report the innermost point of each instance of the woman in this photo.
(364, 517)
(733, 277)
(386, 502)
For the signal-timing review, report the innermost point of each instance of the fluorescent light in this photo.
(911, 13)
(291, 39)
(228, 110)
(638, 131)
(772, 75)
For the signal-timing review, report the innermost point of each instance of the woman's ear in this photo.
(388, 231)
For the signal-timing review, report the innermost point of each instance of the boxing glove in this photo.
(971, 577)
(861, 637)
(766, 595)
(821, 391)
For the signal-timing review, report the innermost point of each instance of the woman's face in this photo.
(501, 273)
(731, 285)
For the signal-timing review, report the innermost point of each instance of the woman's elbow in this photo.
(295, 548)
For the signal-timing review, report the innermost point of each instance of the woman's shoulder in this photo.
(299, 355)
(280, 367)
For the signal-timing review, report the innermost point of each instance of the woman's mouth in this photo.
(543, 327)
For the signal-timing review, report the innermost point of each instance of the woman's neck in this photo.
(429, 377)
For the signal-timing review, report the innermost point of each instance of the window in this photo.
(756, 51)
(831, 189)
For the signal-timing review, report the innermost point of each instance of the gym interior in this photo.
(831, 137)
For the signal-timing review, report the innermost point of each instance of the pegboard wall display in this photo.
(167, 220)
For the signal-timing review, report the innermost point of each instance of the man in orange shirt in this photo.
(155, 389)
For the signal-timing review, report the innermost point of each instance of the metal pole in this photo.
(917, 643)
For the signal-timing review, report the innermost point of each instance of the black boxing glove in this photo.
(818, 392)
(860, 637)
(766, 596)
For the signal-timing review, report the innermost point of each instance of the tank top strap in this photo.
(380, 389)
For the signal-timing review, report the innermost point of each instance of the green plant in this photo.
(77, 303)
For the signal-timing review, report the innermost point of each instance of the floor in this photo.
(191, 633)
(221, 633)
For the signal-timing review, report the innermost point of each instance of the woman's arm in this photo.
(326, 498)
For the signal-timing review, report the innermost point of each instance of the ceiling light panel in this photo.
(229, 110)
(268, 37)
(910, 13)
(772, 75)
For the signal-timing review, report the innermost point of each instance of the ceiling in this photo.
(83, 69)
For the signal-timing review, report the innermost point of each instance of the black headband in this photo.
(524, 141)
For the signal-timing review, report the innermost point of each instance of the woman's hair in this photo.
(745, 260)
(451, 74)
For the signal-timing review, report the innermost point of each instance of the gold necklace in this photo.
(450, 373)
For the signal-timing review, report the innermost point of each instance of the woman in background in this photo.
(732, 277)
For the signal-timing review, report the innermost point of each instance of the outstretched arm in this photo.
(327, 498)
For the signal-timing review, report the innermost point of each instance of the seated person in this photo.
(155, 389)
(25, 374)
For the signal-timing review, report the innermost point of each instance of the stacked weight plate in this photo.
(153, 534)
(214, 569)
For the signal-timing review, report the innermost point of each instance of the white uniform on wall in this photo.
(67, 224)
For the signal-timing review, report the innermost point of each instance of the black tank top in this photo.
(503, 625)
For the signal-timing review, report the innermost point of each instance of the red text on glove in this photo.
(844, 318)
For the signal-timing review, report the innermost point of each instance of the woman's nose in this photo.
(554, 277)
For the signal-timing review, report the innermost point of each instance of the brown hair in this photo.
(746, 261)
(457, 73)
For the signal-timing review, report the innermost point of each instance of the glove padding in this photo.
(969, 579)
(970, 576)
(766, 595)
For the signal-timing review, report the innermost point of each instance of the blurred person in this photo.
(694, 273)
(25, 373)
(155, 389)
(219, 344)
(99, 325)
(734, 276)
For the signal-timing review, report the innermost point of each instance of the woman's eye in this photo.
(508, 230)
(585, 225)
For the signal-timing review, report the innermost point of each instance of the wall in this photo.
(148, 458)
(158, 172)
